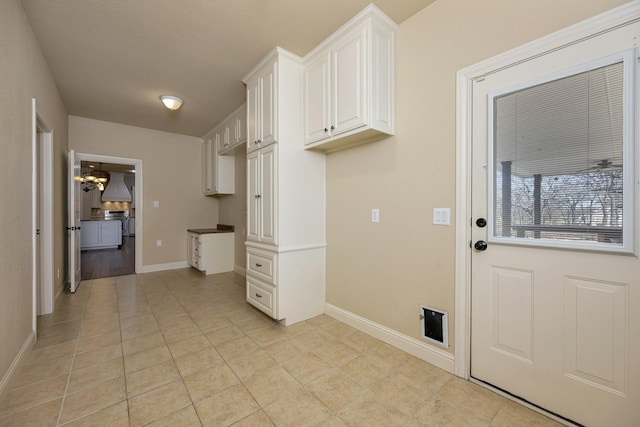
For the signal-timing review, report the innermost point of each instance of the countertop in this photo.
(221, 228)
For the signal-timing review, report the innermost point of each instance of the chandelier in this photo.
(94, 179)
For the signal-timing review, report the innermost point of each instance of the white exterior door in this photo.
(555, 294)
(73, 229)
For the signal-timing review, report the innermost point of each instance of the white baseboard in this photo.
(435, 356)
(17, 363)
(240, 270)
(163, 267)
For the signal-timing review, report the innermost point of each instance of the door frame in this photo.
(43, 171)
(591, 27)
(137, 163)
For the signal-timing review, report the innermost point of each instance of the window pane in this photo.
(558, 159)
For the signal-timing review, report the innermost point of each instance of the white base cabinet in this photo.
(288, 286)
(100, 234)
(211, 253)
(285, 197)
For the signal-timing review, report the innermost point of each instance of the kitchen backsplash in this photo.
(116, 206)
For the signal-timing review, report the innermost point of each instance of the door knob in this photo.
(481, 222)
(480, 245)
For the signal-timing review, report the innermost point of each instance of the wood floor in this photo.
(101, 263)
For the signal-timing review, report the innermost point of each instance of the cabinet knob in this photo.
(332, 127)
(326, 130)
(257, 196)
(258, 295)
(258, 265)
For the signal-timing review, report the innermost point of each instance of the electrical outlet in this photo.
(156, 204)
(158, 243)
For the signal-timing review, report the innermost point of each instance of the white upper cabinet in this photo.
(349, 95)
(218, 170)
(218, 174)
(262, 109)
(234, 130)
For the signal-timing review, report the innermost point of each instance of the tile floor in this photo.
(180, 349)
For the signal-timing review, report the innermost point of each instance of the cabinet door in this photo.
(206, 166)
(218, 141)
(110, 233)
(267, 200)
(253, 118)
(268, 110)
(349, 82)
(261, 196)
(89, 234)
(96, 198)
(241, 126)
(316, 99)
(253, 195)
(225, 138)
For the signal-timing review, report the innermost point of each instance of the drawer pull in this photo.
(258, 265)
(258, 295)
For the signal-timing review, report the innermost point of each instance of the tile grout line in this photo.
(73, 359)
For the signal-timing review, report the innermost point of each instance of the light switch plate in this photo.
(442, 216)
(156, 203)
(375, 215)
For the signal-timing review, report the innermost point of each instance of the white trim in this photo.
(137, 163)
(46, 290)
(414, 347)
(34, 215)
(163, 267)
(17, 363)
(589, 28)
(283, 249)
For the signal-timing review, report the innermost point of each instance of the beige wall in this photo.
(172, 175)
(24, 75)
(385, 271)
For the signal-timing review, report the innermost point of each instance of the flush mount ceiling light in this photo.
(171, 102)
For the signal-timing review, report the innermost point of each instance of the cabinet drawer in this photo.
(262, 264)
(262, 296)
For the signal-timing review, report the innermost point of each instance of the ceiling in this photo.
(111, 60)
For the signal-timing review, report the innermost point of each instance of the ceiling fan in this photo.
(602, 165)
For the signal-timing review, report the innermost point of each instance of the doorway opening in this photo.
(110, 224)
(107, 238)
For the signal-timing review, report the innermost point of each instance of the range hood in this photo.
(116, 190)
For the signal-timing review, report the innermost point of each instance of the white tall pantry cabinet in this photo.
(285, 196)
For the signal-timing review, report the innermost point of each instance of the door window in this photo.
(561, 158)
